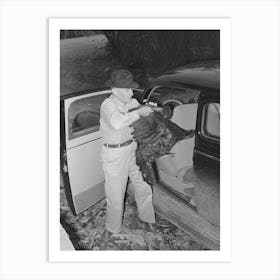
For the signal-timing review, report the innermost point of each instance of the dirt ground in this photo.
(85, 64)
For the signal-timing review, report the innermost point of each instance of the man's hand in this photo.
(144, 111)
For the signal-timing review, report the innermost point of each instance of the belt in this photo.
(119, 145)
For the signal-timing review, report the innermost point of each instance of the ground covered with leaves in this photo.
(85, 230)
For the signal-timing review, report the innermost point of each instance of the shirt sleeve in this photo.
(135, 102)
(117, 120)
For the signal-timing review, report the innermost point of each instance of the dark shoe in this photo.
(150, 227)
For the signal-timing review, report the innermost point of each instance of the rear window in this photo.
(211, 121)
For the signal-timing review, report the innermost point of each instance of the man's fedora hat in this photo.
(121, 79)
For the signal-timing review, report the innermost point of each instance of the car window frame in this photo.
(203, 134)
(85, 131)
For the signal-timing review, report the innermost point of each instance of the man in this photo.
(118, 153)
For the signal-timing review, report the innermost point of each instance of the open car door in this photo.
(80, 143)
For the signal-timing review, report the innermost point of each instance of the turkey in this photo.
(155, 136)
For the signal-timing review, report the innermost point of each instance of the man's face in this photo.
(123, 94)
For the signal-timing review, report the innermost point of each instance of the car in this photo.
(187, 192)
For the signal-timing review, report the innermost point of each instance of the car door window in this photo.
(84, 114)
(211, 121)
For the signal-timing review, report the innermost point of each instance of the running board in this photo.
(177, 211)
(180, 213)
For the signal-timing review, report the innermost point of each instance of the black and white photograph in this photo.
(140, 140)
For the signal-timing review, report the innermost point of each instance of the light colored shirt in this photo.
(115, 120)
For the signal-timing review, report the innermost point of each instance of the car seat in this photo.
(176, 169)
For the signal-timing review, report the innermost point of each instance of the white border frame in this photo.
(224, 254)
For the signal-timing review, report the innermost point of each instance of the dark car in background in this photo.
(188, 188)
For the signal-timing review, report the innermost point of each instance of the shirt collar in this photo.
(116, 100)
(123, 108)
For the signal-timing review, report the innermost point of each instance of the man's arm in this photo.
(116, 119)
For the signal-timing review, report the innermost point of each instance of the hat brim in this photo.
(111, 83)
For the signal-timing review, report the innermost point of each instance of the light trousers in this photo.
(118, 165)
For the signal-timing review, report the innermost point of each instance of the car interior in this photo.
(176, 169)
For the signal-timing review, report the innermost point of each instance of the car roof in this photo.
(205, 74)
